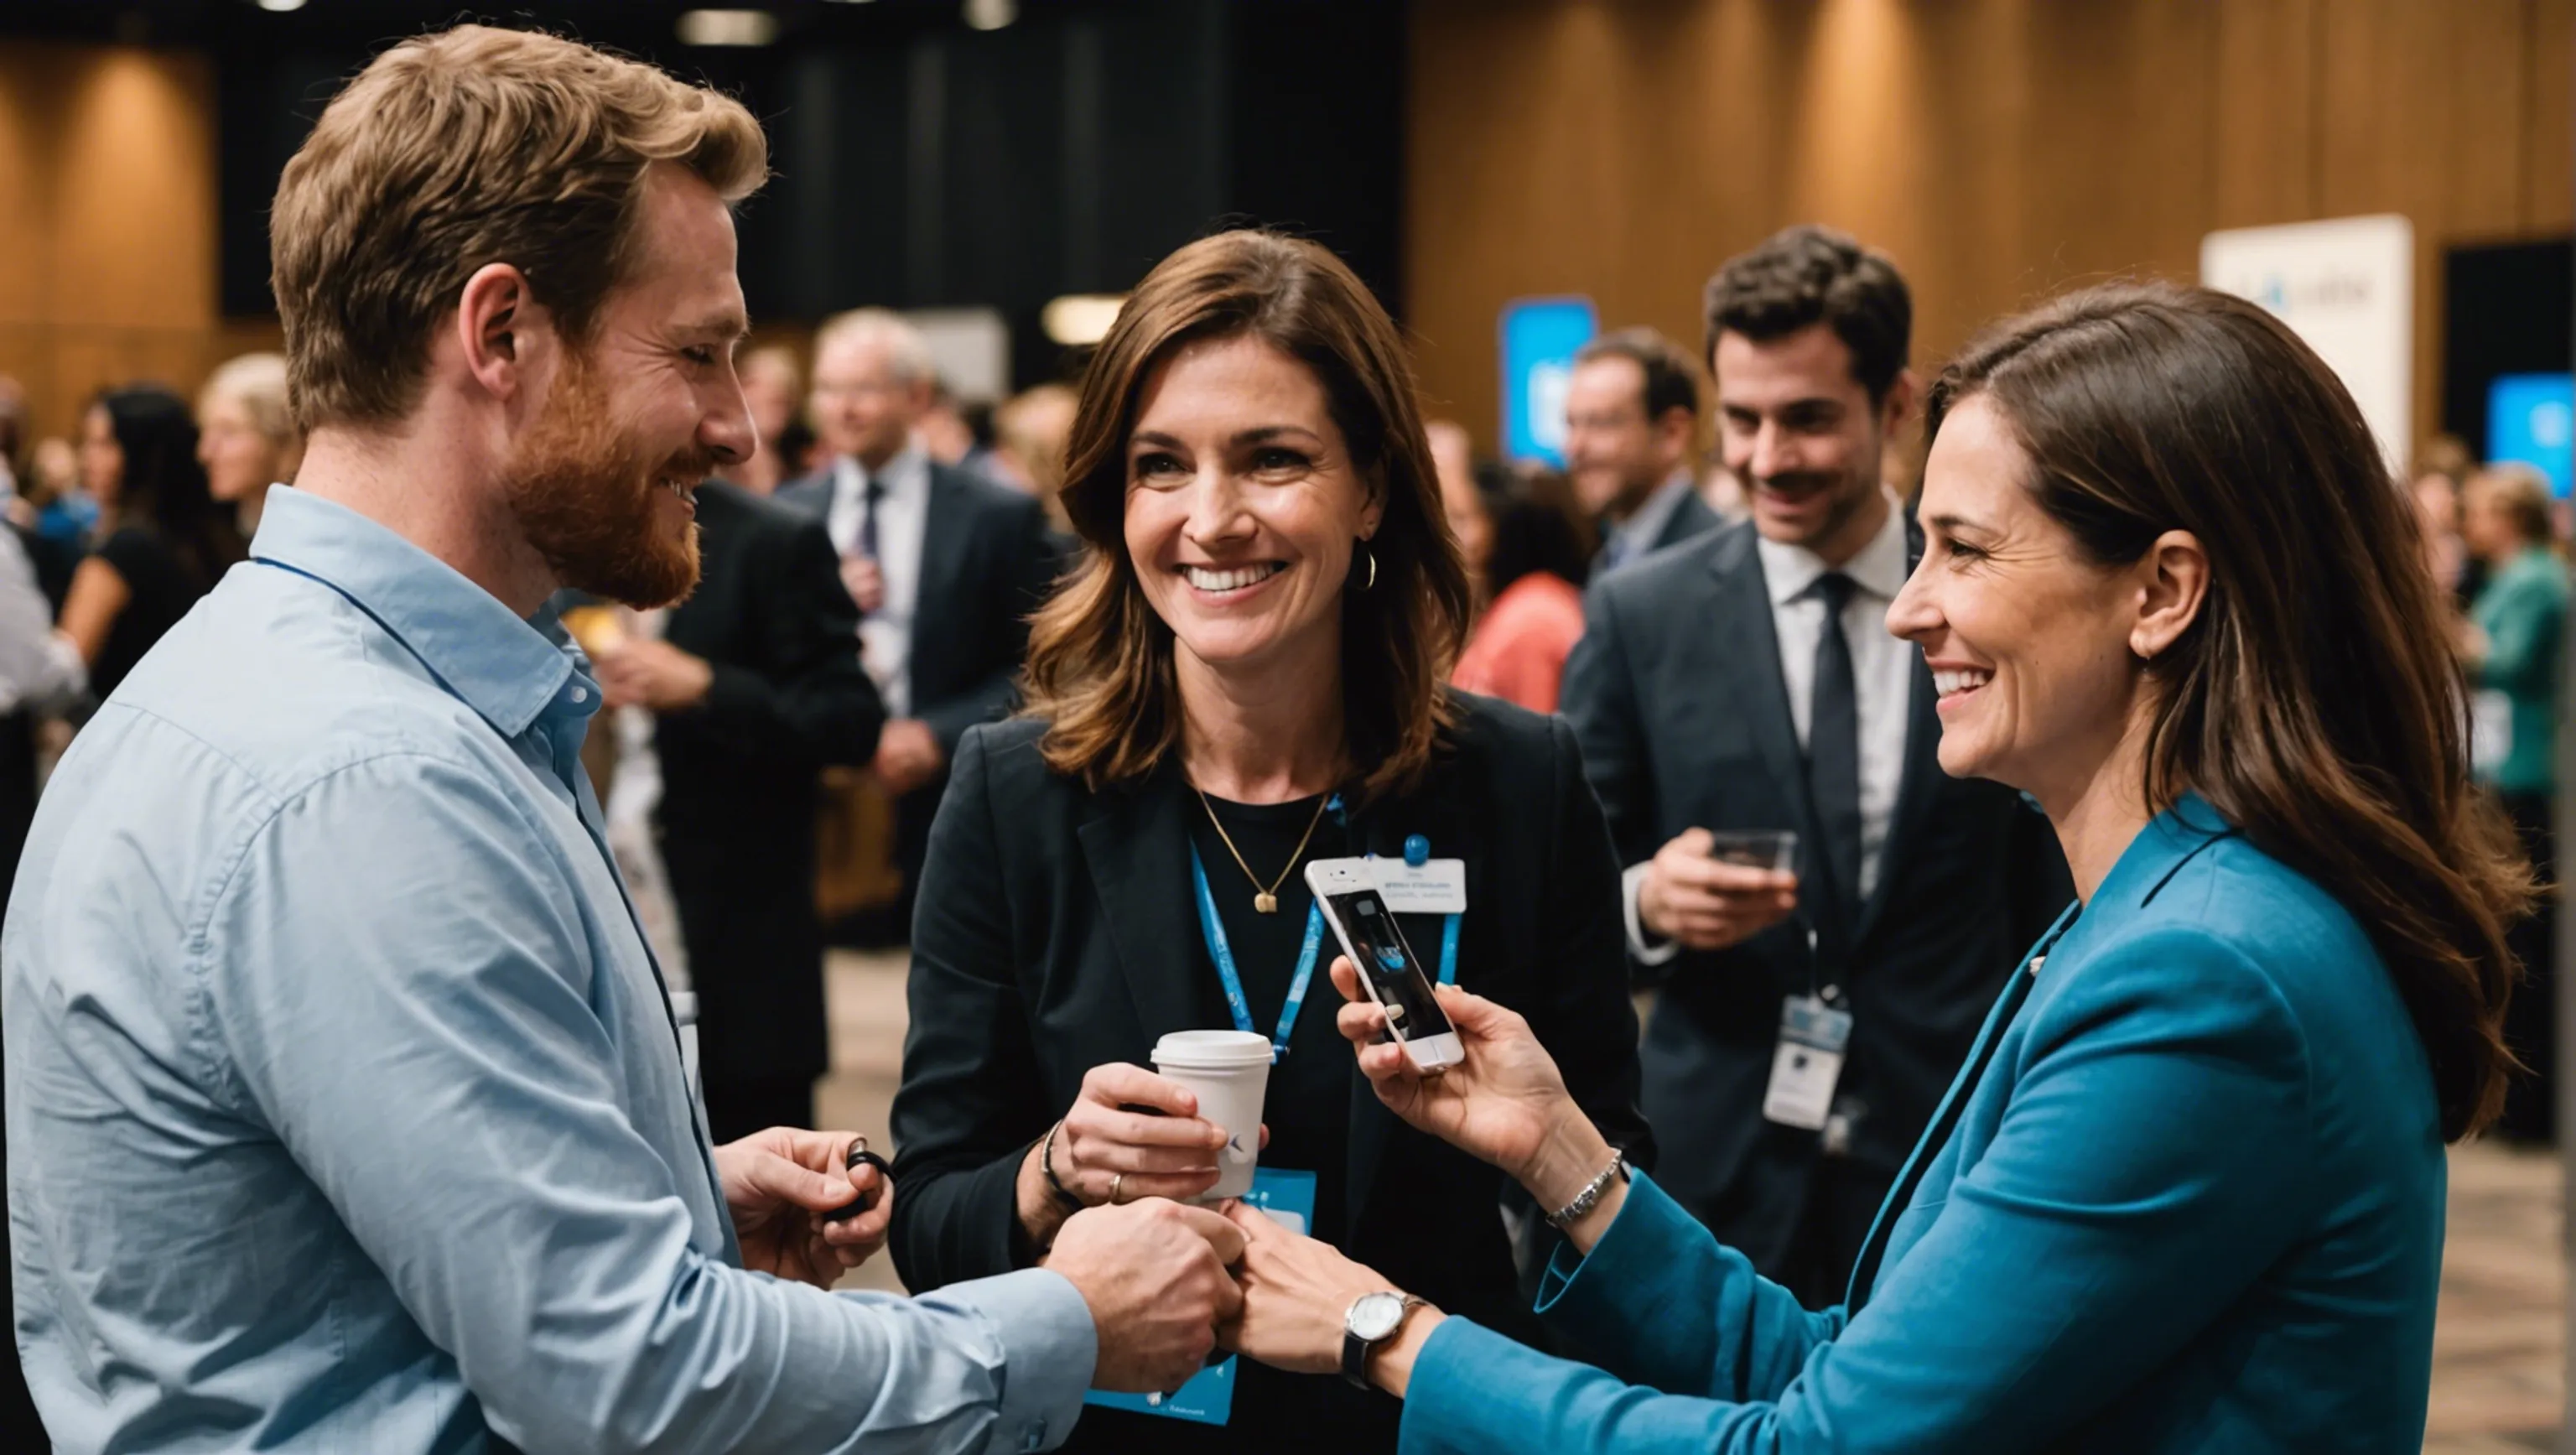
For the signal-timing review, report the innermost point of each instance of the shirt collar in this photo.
(507, 669)
(907, 471)
(1879, 569)
(1649, 521)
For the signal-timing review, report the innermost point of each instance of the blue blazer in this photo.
(2187, 1195)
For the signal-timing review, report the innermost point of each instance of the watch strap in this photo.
(1355, 1350)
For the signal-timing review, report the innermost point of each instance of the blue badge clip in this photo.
(1417, 851)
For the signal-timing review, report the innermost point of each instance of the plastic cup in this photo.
(1229, 1071)
(1772, 849)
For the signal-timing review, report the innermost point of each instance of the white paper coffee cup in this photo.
(1228, 1071)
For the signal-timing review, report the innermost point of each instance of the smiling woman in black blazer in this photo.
(1248, 667)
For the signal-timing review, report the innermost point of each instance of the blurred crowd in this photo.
(115, 532)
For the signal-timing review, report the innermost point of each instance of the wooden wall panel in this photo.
(2000, 149)
(2263, 131)
(107, 223)
(2549, 120)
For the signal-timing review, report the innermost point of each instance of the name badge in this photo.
(1435, 886)
(1807, 1063)
(1288, 1196)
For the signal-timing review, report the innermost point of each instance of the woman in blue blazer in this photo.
(2187, 1193)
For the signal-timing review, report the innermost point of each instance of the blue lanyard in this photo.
(1221, 951)
(1223, 954)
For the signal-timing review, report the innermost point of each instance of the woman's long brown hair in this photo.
(1100, 659)
(2316, 702)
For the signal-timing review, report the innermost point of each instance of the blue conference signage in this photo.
(2532, 418)
(1540, 337)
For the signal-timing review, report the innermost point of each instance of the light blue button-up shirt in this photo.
(345, 1110)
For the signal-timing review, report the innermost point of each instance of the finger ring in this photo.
(1116, 1180)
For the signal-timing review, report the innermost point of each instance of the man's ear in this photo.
(501, 331)
(1904, 392)
(1679, 429)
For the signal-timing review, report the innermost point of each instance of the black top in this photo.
(1057, 931)
(161, 589)
(1308, 1103)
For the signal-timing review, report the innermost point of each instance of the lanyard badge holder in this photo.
(1420, 884)
(1814, 1035)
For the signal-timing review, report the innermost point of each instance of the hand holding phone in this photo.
(1504, 1102)
(1389, 971)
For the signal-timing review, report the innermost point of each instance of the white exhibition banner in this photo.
(2346, 286)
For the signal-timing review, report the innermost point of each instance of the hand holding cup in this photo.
(1161, 1147)
(1692, 894)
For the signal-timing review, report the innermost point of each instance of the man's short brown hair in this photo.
(1670, 382)
(1805, 275)
(455, 151)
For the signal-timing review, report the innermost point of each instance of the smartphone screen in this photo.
(1378, 948)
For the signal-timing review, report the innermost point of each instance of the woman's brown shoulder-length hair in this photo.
(1100, 660)
(2316, 702)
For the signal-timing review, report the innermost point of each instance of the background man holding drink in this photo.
(1808, 1021)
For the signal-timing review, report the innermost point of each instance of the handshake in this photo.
(1156, 1277)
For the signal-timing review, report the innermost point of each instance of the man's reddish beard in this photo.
(583, 494)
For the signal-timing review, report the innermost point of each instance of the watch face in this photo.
(1376, 1315)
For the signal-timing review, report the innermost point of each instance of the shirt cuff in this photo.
(1049, 1348)
(1640, 948)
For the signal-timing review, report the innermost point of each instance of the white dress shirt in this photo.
(903, 513)
(1882, 680)
(1632, 538)
(40, 670)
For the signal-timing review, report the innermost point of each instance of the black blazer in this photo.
(739, 776)
(987, 559)
(1056, 932)
(1675, 694)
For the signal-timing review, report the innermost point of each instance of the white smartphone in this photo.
(1347, 889)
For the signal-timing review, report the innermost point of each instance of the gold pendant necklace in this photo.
(1264, 900)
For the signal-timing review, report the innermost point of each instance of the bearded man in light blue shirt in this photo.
(345, 1106)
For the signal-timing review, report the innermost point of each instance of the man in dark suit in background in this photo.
(1747, 681)
(756, 684)
(944, 564)
(1631, 421)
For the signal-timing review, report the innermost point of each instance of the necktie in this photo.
(1833, 747)
(868, 499)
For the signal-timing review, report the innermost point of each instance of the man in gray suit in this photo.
(1745, 680)
(1631, 419)
(944, 564)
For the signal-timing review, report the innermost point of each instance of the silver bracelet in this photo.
(1590, 1196)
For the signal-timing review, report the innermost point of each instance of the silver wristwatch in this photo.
(1372, 1320)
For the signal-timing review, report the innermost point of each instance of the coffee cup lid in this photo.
(1212, 1050)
